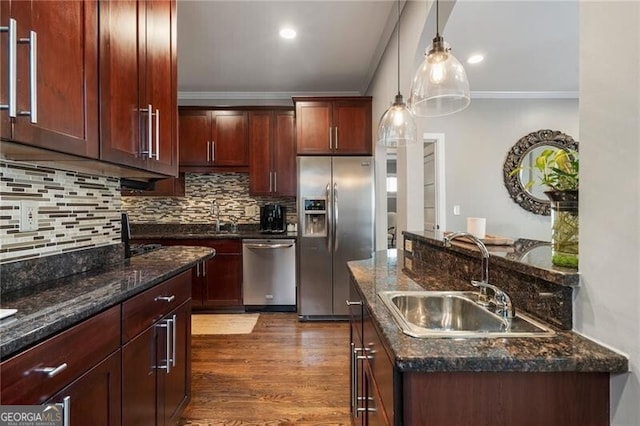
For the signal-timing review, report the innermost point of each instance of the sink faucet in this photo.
(483, 249)
(501, 300)
(216, 207)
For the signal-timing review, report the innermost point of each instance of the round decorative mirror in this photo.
(522, 155)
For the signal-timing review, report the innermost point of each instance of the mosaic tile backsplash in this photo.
(75, 211)
(229, 190)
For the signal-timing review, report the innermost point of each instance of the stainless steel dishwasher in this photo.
(269, 274)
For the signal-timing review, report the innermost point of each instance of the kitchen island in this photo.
(398, 379)
(110, 345)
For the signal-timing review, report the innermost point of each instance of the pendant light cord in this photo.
(437, 18)
(398, 37)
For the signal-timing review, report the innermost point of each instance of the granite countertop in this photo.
(180, 231)
(531, 257)
(565, 351)
(54, 306)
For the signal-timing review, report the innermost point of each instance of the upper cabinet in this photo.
(213, 138)
(138, 84)
(49, 75)
(333, 126)
(272, 153)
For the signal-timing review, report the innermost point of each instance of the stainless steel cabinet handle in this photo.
(52, 371)
(197, 269)
(275, 181)
(150, 131)
(13, 67)
(208, 151)
(354, 380)
(32, 41)
(336, 137)
(204, 268)
(66, 410)
(174, 321)
(270, 182)
(213, 151)
(158, 134)
(268, 246)
(350, 303)
(165, 298)
(330, 138)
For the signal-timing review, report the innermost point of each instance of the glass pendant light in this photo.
(440, 86)
(397, 126)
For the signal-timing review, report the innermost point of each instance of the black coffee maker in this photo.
(273, 218)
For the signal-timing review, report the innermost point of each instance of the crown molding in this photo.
(257, 95)
(524, 95)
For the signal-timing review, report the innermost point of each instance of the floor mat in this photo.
(223, 323)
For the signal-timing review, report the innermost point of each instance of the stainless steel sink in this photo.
(454, 314)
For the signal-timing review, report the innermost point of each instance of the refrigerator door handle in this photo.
(329, 218)
(335, 217)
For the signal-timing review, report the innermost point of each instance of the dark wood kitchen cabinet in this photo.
(212, 138)
(138, 84)
(381, 394)
(57, 109)
(333, 126)
(272, 153)
(78, 366)
(169, 187)
(156, 354)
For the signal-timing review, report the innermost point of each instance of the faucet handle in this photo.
(501, 299)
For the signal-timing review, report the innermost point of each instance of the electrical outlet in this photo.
(28, 216)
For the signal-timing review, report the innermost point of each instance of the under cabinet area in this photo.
(55, 87)
(333, 126)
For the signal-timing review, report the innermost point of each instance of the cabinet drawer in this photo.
(80, 348)
(143, 310)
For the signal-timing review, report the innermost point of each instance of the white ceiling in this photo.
(234, 46)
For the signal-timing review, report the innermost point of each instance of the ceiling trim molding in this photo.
(524, 95)
(258, 95)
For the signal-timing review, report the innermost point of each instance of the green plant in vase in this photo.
(559, 171)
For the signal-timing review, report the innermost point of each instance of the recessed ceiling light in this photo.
(475, 59)
(288, 33)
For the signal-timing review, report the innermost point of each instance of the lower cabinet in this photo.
(129, 365)
(94, 398)
(383, 395)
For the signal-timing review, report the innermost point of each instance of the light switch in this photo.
(456, 210)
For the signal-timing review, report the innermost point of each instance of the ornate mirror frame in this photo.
(517, 153)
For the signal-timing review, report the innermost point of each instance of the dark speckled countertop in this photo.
(180, 231)
(54, 306)
(566, 351)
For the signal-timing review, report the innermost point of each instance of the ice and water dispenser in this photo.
(315, 217)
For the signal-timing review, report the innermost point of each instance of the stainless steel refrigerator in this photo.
(335, 225)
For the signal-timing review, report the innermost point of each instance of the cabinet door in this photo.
(139, 371)
(352, 131)
(5, 122)
(284, 155)
(373, 411)
(64, 101)
(119, 83)
(260, 153)
(177, 382)
(95, 398)
(314, 127)
(158, 89)
(230, 139)
(194, 132)
(223, 282)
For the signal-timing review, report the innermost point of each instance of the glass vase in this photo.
(564, 228)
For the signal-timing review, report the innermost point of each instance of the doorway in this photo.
(434, 203)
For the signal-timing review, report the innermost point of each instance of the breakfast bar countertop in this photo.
(48, 308)
(564, 352)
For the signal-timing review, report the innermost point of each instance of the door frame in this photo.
(440, 181)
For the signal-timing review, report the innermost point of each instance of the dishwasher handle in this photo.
(268, 246)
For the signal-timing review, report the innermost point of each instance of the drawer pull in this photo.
(52, 371)
(167, 299)
(350, 303)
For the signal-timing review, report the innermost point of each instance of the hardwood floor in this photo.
(284, 373)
